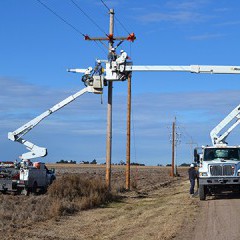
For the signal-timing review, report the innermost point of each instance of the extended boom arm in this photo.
(119, 69)
(36, 151)
(234, 114)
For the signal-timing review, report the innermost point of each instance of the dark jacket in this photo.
(192, 173)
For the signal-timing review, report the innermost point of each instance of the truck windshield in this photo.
(223, 153)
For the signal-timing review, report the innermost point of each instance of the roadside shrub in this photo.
(72, 193)
(67, 195)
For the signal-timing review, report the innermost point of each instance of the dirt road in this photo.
(218, 220)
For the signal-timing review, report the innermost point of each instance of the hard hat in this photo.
(192, 165)
(121, 51)
(113, 49)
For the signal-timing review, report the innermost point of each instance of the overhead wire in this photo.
(101, 47)
(94, 22)
(115, 17)
(69, 24)
(105, 5)
(122, 25)
(61, 18)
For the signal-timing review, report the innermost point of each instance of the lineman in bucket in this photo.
(193, 175)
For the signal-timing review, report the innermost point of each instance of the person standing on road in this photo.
(193, 174)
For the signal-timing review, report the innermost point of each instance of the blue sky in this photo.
(36, 49)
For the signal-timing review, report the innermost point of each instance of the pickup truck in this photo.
(25, 177)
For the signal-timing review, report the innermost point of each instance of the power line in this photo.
(115, 17)
(101, 47)
(61, 18)
(78, 7)
(122, 25)
(105, 5)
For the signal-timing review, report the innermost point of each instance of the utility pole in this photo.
(110, 38)
(109, 112)
(128, 149)
(173, 147)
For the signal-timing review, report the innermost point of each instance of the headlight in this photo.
(238, 173)
(203, 174)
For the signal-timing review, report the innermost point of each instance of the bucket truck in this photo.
(224, 172)
(26, 176)
(219, 164)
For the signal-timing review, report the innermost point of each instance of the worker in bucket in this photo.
(122, 58)
(98, 69)
(193, 175)
(112, 56)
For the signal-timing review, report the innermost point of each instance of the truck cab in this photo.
(219, 169)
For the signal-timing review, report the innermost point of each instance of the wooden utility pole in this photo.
(173, 147)
(109, 112)
(128, 149)
(110, 38)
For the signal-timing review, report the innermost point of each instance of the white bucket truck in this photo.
(219, 164)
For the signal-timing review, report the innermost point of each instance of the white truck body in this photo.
(30, 179)
(219, 164)
(219, 170)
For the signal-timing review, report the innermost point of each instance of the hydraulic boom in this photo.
(214, 134)
(119, 69)
(94, 86)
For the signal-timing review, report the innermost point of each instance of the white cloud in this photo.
(178, 12)
(207, 36)
(228, 23)
(178, 17)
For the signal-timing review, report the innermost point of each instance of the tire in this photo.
(202, 192)
(43, 190)
(25, 191)
(51, 180)
(4, 191)
(34, 188)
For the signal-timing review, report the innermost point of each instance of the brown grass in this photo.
(80, 187)
(73, 193)
(65, 196)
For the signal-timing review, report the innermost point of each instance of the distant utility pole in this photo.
(110, 38)
(175, 140)
(173, 147)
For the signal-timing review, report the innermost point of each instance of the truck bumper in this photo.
(219, 181)
(8, 185)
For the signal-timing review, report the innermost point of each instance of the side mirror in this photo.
(53, 170)
(196, 156)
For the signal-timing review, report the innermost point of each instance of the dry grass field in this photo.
(157, 207)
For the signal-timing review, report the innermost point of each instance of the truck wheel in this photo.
(43, 190)
(34, 188)
(4, 191)
(25, 191)
(202, 192)
(51, 180)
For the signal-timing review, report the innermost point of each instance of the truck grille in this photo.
(222, 170)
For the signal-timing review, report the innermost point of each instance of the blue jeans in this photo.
(192, 182)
